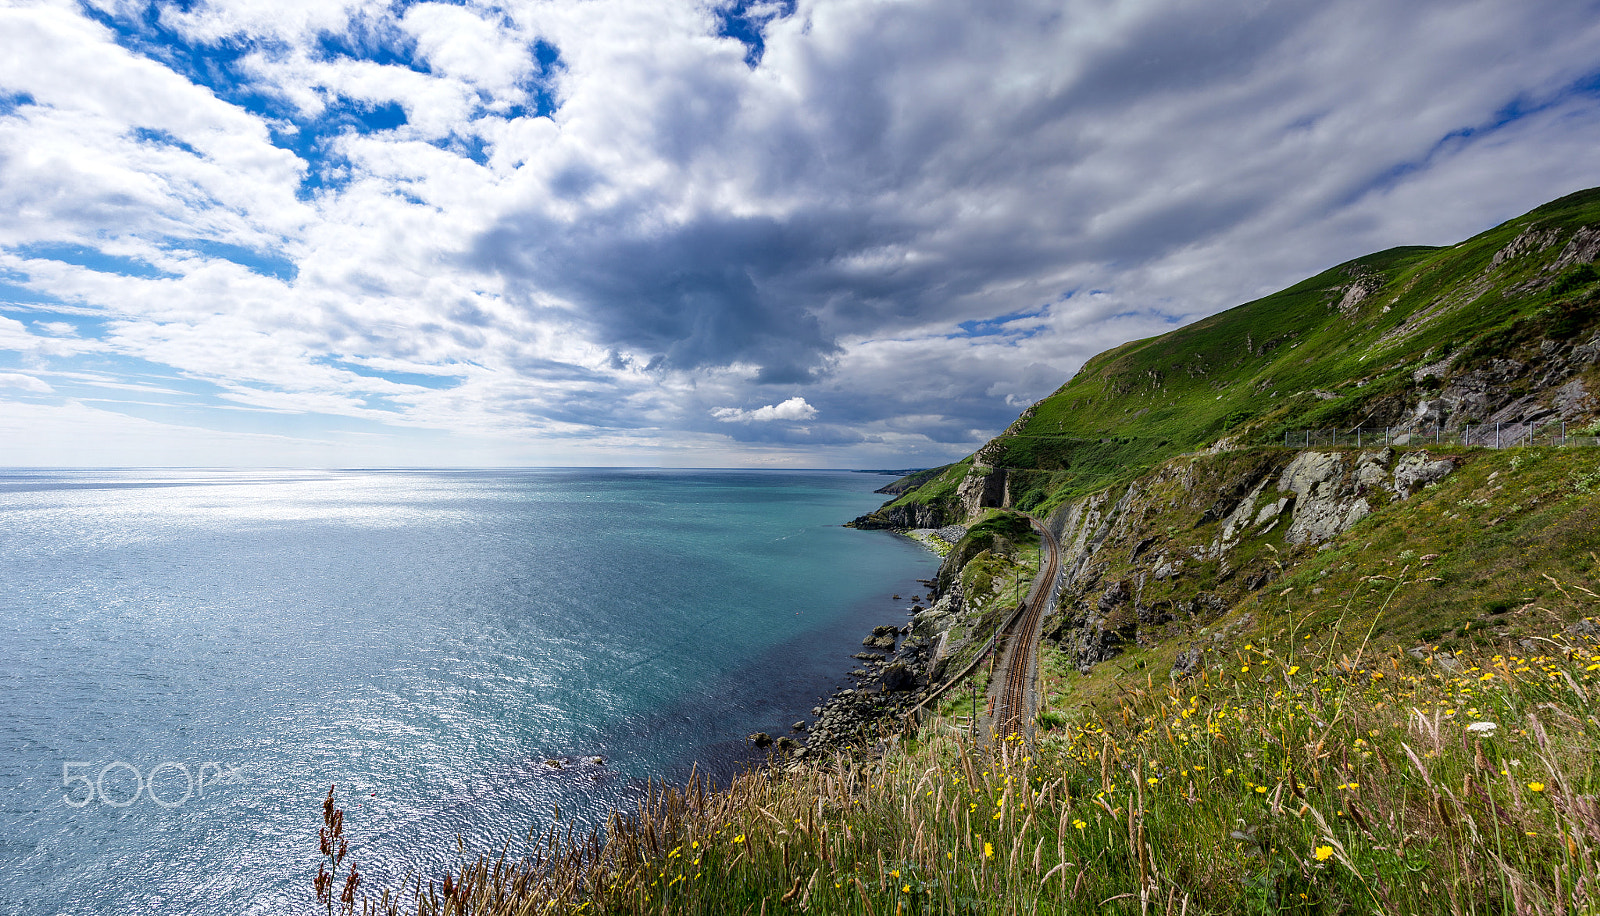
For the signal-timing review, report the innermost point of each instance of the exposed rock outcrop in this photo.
(909, 515)
(983, 488)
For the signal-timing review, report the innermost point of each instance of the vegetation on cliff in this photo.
(1479, 332)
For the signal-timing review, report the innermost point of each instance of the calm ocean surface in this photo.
(236, 641)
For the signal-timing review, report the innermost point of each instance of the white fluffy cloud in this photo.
(25, 382)
(792, 409)
(576, 231)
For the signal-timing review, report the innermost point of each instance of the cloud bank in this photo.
(576, 232)
(792, 409)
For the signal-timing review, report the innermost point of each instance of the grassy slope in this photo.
(1251, 371)
(1493, 554)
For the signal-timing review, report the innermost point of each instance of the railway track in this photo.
(1012, 711)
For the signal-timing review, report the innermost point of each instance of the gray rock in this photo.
(1372, 468)
(1325, 503)
(1586, 629)
(899, 677)
(1167, 569)
(1529, 240)
(982, 488)
(1573, 399)
(1416, 470)
(1188, 662)
(761, 739)
(1581, 249)
(1271, 511)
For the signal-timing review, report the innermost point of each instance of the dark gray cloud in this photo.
(934, 163)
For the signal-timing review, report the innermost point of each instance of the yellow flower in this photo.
(988, 850)
(1261, 789)
(1079, 823)
(1536, 786)
(1293, 669)
(739, 838)
(906, 889)
(1324, 853)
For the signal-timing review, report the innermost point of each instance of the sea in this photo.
(190, 659)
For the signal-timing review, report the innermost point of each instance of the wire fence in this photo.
(1482, 435)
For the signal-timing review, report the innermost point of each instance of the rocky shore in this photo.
(891, 677)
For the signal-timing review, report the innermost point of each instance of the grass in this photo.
(1288, 780)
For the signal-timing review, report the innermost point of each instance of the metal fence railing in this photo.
(1482, 435)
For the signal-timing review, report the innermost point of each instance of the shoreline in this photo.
(890, 678)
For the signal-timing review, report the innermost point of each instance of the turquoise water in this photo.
(189, 658)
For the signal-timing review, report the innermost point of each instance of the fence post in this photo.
(1435, 434)
(1497, 434)
(1358, 437)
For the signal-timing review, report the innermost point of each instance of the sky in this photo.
(763, 233)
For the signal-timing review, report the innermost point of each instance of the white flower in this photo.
(1485, 729)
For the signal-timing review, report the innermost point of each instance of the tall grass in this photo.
(1292, 782)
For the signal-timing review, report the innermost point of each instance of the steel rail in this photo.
(1012, 707)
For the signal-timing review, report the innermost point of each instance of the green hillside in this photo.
(1339, 349)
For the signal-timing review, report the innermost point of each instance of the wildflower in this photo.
(1486, 729)
(1293, 669)
(1261, 789)
(905, 889)
(988, 850)
(1324, 853)
(1152, 780)
(1079, 823)
(739, 838)
(1536, 787)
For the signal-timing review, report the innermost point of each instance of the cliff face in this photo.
(1162, 464)
(1192, 540)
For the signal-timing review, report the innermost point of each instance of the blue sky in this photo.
(639, 232)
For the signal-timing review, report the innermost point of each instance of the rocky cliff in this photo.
(1167, 466)
(1490, 340)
